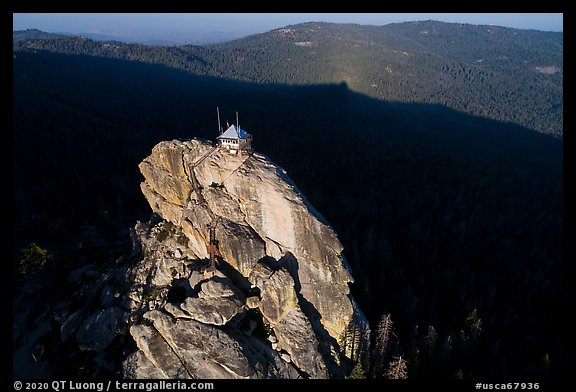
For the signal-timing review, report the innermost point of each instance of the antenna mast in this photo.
(219, 127)
(237, 125)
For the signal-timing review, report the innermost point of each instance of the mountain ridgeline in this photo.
(450, 221)
(495, 72)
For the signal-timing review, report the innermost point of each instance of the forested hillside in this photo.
(494, 72)
(31, 34)
(452, 223)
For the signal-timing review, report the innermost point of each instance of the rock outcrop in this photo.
(278, 304)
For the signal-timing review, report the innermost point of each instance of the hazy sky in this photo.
(250, 23)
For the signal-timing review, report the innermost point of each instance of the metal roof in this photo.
(234, 132)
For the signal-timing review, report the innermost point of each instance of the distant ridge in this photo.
(164, 39)
(29, 34)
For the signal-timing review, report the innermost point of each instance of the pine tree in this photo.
(398, 369)
(473, 324)
(476, 329)
(358, 371)
(356, 342)
(384, 332)
(382, 348)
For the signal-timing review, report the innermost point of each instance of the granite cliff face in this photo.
(278, 304)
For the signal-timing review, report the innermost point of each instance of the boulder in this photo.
(217, 303)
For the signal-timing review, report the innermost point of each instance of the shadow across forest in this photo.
(445, 217)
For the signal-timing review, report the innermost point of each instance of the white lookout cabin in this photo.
(235, 140)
